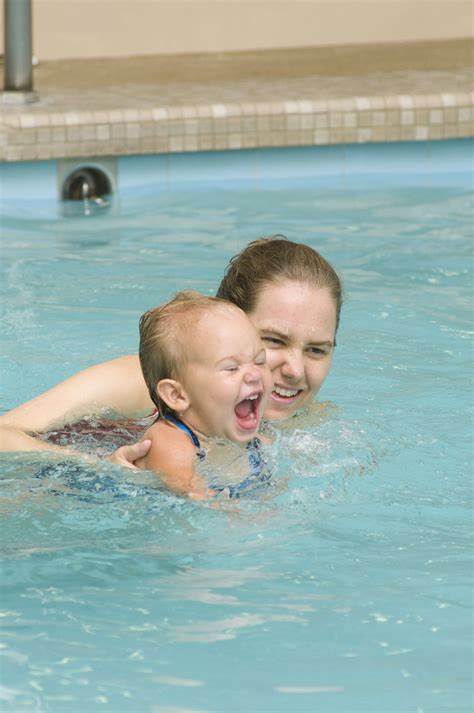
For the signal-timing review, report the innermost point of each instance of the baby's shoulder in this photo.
(169, 446)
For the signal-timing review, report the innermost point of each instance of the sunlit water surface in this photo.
(343, 588)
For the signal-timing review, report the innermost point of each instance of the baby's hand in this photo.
(127, 455)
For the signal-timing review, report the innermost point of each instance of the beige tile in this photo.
(293, 122)
(421, 116)
(118, 131)
(189, 112)
(159, 114)
(206, 126)
(364, 119)
(362, 103)
(44, 136)
(27, 138)
(421, 133)
(234, 124)
(161, 145)
(321, 136)
(219, 111)
(102, 132)
(350, 136)
(393, 118)
(27, 121)
(364, 135)
(220, 142)
(161, 128)
(322, 121)
(73, 134)
(205, 142)
(406, 102)
(191, 127)
(407, 133)
(335, 120)
(337, 136)
(191, 143)
(176, 143)
(235, 141)
(278, 122)
(436, 116)
(305, 107)
(378, 118)
(464, 130)
(379, 134)
(249, 140)
(393, 133)
(464, 114)
(132, 131)
(435, 132)
(176, 128)
(219, 127)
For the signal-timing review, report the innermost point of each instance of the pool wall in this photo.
(426, 162)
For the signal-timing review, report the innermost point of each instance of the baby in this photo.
(205, 368)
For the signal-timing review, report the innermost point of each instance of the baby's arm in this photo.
(172, 455)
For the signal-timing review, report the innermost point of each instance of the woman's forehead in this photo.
(295, 306)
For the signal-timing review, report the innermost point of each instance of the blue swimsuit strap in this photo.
(182, 426)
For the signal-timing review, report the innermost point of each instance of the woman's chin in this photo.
(279, 411)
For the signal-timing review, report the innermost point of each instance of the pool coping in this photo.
(303, 106)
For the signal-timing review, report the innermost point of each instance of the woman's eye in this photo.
(272, 341)
(316, 351)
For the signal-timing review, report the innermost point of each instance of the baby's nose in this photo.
(253, 374)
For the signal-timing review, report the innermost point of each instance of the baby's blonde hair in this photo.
(165, 332)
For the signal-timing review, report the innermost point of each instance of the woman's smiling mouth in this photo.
(284, 395)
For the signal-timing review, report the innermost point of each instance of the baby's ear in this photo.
(173, 394)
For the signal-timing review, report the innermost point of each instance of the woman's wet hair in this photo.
(274, 260)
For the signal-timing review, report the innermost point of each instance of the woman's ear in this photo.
(173, 394)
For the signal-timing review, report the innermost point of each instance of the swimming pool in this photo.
(347, 589)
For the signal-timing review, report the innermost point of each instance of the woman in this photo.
(292, 295)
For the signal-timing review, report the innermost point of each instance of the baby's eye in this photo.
(261, 359)
(231, 368)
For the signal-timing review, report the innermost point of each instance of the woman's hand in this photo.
(127, 455)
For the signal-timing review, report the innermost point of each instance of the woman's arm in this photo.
(117, 385)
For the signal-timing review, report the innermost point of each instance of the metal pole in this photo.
(18, 46)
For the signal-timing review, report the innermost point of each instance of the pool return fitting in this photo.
(86, 188)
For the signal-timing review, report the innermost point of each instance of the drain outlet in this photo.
(87, 183)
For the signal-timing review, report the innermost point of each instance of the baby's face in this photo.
(227, 378)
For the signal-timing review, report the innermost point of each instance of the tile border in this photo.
(27, 135)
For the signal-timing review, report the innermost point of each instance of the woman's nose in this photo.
(293, 365)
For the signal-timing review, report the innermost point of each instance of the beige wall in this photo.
(109, 28)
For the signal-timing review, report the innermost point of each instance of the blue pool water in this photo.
(345, 589)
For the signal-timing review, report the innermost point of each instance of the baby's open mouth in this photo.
(247, 412)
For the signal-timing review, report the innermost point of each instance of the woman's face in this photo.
(297, 323)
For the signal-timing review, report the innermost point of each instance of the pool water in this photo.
(347, 587)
